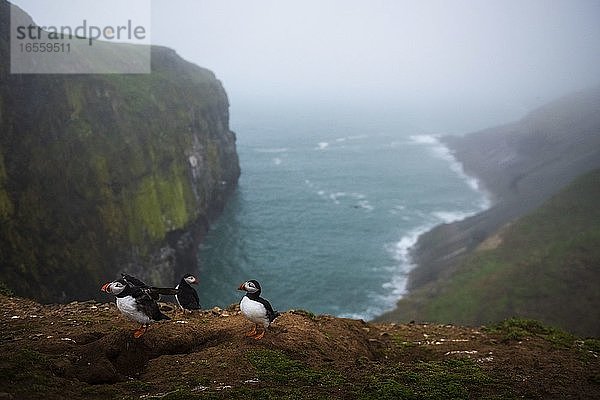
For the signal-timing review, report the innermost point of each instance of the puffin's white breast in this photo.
(255, 311)
(177, 297)
(128, 307)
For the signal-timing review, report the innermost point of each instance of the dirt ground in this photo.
(87, 350)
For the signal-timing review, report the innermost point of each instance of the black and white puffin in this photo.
(186, 296)
(137, 303)
(256, 309)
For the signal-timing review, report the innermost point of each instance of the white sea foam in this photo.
(370, 313)
(365, 204)
(443, 152)
(396, 287)
(338, 197)
(398, 208)
(358, 196)
(400, 250)
(271, 150)
(277, 161)
(451, 216)
(377, 305)
(348, 138)
(424, 139)
(334, 198)
(322, 146)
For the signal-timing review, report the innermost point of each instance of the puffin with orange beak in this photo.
(137, 303)
(256, 309)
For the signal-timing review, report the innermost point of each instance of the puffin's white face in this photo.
(115, 287)
(191, 280)
(249, 287)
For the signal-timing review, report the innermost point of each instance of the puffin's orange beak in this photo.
(241, 287)
(105, 287)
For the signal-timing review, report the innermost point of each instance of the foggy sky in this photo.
(490, 59)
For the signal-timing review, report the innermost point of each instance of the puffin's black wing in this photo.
(196, 298)
(150, 308)
(152, 291)
(147, 304)
(187, 297)
(271, 314)
(133, 281)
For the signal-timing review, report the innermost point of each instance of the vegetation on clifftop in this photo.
(545, 265)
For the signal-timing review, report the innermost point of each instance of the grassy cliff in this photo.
(521, 164)
(103, 173)
(545, 265)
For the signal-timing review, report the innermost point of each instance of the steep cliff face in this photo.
(103, 173)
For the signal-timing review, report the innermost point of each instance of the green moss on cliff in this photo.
(159, 204)
(95, 171)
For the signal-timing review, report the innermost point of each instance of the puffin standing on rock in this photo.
(256, 309)
(137, 303)
(187, 298)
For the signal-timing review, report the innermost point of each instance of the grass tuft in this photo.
(432, 380)
(275, 366)
(516, 329)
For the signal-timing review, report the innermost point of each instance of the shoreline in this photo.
(519, 165)
(403, 249)
(431, 254)
(438, 251)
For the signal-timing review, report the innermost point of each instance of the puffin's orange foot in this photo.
(140, 331)
(252, 332)
(260, 335)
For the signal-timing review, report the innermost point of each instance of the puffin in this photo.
(137, 303)
(187, 298)
(256, 309)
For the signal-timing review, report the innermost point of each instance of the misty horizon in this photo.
(444, 66)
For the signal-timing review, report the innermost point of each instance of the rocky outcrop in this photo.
(107, 173)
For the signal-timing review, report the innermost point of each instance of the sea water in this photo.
(327, 209)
